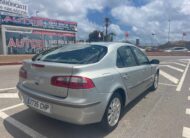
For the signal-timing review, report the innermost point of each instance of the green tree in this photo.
(96, 36)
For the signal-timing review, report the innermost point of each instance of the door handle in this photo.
(125, 76)
(145, 69)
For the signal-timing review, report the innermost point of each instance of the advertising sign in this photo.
(16, 21)
(37, 22)
(31, 43)
(53, 24)
(14, 7)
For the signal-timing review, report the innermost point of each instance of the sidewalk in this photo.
(13, 59)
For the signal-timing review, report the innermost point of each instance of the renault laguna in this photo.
(87, 83)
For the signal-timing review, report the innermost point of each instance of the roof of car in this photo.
(115, 45)
(111, 44)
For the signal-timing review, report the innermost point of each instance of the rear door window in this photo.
(76, 54)
(125, 57)
(141, 57)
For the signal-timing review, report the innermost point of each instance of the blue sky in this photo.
(140, 18)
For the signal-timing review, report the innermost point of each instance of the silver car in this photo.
(177, 49)
(86, 83)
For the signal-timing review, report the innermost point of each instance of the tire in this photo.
(155, 83)
(113, 113)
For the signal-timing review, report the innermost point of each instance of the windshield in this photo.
(76, 54)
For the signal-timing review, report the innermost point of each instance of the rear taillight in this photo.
(23, 73)
(73, 82)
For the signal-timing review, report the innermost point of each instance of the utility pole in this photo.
(153, 38)
(169, 22)
(37, 11)
(183, 35)
(107, 23)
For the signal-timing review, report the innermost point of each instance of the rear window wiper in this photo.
(39, 55)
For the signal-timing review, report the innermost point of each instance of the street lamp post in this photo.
(107, 23)
(169, 22)
(37, 11)
(183, 35)
(153, 37)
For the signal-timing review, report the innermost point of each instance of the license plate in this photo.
(42, 106)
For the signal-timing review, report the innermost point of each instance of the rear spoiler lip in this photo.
(38, 65)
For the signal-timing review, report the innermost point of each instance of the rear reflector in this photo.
(22, 73)
(38, 65)
(73, 82)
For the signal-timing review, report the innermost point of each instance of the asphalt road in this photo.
(164, 113)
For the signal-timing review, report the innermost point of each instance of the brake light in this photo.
(23, 73)
(73, 82)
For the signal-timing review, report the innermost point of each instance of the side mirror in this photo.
(154, 61)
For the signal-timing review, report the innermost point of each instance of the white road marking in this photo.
(8, 95)
(186, 132)
(188, 111)
(179, 64)
(183, 61)
(169, 77)
(182, 78)
(32, 133)
(172, 67)
(11, 107)
(167, 84)
(6, 89)
(188, 98)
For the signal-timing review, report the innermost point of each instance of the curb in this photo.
(11, 63)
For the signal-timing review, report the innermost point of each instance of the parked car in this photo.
(87, 83)
(177, 49)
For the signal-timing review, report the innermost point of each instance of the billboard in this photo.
(37, 22)
(31, 43)
(14, 7)
(53, 24)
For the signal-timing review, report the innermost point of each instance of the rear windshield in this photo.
(76, 54)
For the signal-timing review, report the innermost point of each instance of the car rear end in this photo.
(61, 85)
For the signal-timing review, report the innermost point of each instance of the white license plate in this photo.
(42, 106)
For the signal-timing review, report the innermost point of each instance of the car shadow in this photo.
(54, 128)
(135, 102)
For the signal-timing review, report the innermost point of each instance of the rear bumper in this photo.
(66, 109)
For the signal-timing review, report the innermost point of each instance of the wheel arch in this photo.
(122, 93)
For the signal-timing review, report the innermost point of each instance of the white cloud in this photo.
(185, 7)
(134, 28)
(117, 30)
(153, 18)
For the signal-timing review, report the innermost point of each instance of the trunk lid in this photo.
(39, 76)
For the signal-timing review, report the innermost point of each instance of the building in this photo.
(20, 35)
